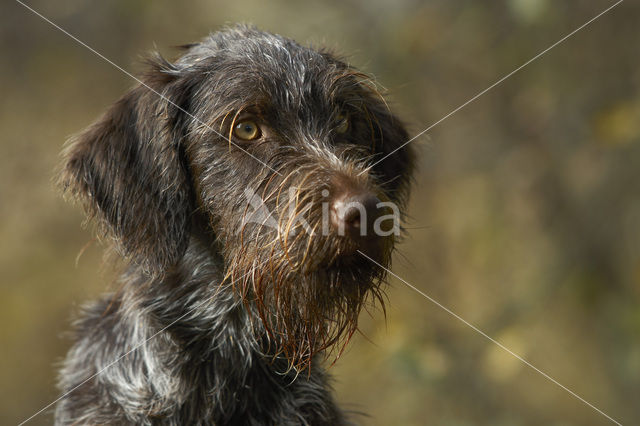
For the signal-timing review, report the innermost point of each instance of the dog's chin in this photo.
(370, 255)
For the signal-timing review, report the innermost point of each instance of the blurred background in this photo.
(525, 218)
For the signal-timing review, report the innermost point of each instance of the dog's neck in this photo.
(198, 354)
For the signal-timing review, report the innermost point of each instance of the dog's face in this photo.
(275, 145)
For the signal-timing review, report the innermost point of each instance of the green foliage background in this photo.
(525, 218)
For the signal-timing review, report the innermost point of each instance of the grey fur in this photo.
(230, 320)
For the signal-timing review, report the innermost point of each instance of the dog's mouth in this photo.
(361, 256)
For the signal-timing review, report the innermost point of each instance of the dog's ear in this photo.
(129, 170)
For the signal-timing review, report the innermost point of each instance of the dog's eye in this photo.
(247, 130)
(342, 123)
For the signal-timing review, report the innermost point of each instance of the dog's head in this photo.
(276, 146)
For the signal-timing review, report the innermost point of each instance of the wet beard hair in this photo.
(306, 287)
(304, 310)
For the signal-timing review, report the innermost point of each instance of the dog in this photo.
(243, 187)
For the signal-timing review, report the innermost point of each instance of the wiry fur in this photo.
(227, 320)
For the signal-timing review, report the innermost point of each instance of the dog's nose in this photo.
(353, 213)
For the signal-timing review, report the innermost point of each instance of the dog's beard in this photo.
(306, 287)
(305, 306)
(303, 284)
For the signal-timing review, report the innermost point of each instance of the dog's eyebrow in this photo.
(239, 112)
